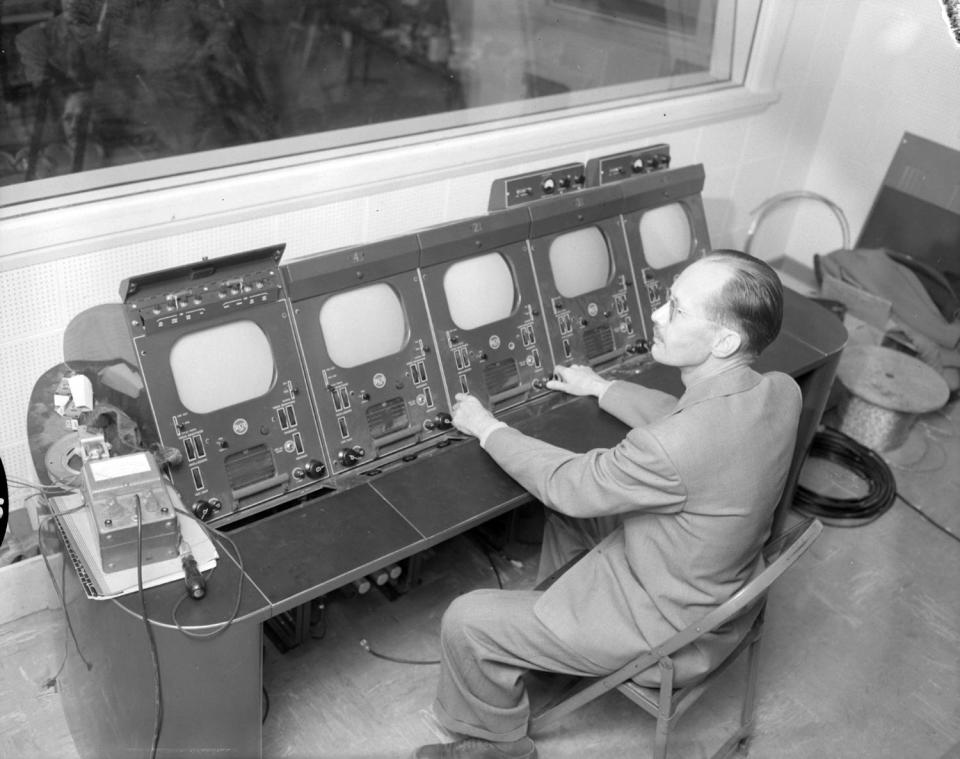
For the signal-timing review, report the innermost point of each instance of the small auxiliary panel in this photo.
(586, 284)
(665, 227)
(482, 298)
(226, 387)
(620, 166)
(527, 188)
(369, 351)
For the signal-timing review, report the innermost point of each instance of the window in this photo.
(172, 86)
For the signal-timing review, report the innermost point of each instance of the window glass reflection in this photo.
(90, 84)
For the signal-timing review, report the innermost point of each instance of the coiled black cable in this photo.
(833, 445)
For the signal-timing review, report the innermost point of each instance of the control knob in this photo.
(351, 456)
(442, 421)
(539, 384)
(315, 469)
(640, 346)
(206, 510)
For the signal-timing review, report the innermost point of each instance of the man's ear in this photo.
(726, 343)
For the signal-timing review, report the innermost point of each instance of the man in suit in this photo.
(674, 516)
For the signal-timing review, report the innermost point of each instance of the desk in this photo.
(212, 688)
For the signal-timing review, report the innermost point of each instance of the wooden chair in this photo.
(670, 700)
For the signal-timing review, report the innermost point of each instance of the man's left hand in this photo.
(470, 417)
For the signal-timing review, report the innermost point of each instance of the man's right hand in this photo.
(578, 380)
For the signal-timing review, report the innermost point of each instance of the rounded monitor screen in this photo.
(363, 324)
(479, 291)
(580, 262)
(222, 366)
(665, 235)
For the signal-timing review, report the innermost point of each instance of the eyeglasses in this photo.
(673, 308)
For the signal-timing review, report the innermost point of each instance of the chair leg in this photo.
(665, 711)
(753, 672)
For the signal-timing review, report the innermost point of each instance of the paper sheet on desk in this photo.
(82, 549)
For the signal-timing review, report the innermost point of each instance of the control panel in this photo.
(526, 188)
(482, 297)
(665, 227)
(620, 166)
(369, 352)
(587, 286)
(225, 383)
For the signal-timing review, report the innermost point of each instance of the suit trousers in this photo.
(493, 646)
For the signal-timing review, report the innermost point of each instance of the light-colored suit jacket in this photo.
(696, 482)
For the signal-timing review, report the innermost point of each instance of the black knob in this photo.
(351, 456)
(443, 421)
(315, 469)
(539, 383)
(206, 510)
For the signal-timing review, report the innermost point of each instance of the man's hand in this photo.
(470, 417)
(578, 380)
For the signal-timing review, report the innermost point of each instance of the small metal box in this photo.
(111, 488)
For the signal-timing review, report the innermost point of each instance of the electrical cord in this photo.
(835, 446)
(927, 517)
(366, 647)
(59, 589)
(221, 540)
(158, 688)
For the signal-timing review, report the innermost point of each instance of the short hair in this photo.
(750, 301)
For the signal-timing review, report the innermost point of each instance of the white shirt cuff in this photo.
(490, 429)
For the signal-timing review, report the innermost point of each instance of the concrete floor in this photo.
(861, 657)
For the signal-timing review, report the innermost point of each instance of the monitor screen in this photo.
(363, 324)
(479, 291)
(221, 366)
(580, 262)
(665, 235)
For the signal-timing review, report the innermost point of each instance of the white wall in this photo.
(900, 72)
(747, 160)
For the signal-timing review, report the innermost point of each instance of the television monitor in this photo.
(485, 310)
(583, 273)
(665, 235)
(363, 325)
(220, 363)
(479, 291)
(665, 227)
(580, 262)
(221, 366)
(369, 352)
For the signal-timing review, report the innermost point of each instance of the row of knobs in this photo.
(352, 456)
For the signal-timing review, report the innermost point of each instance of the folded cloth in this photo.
(873, 270)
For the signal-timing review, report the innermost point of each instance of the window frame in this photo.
(199, 191)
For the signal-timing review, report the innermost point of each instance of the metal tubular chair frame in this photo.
(669, 702)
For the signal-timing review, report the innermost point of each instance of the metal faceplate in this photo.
(644, 194)
(603, 324)
(507, 360)
(388, 406)
(245, 455)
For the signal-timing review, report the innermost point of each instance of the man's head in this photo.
(76, 108)
(724, 306)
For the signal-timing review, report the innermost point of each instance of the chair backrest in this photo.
(780, 552)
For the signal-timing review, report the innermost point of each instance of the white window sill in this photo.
(130, 211)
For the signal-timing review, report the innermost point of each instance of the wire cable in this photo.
(221, 540)
(59, 589)
(835, 446)
(366, 647)
(926, 516)
(158, 687)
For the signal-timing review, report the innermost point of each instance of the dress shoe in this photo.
(474, 748)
